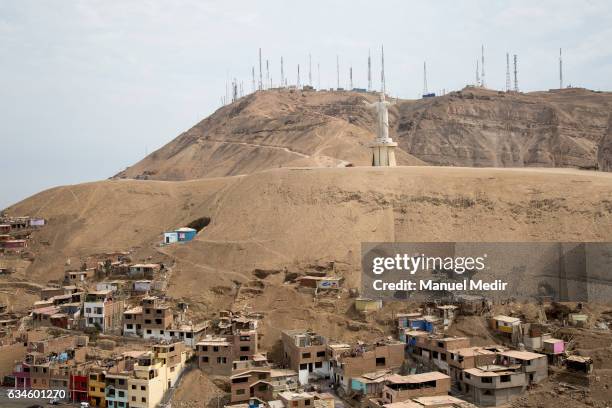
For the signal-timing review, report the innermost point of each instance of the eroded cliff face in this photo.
(604, 151)
(474, 128)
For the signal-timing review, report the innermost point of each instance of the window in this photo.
(161, 332)
(143, 388)
(148, 331)
(158, 321)
(205, 359)
(245, 338)
(239, 392)
(240, 380)
(504, 378)
(221, 360)
(443, 355)
(215, 348)
(307, 402)
(303, 366)
(130, 326)
(88, 310)
(318, 364)
(133, 387)
(92, 388)
(147, 321)
(320, 353)
(434, 354)
(204, 348)
(262, 387)
(133, 398)
(245, 348)
(121, 381)
(121, 394)
(486, 380)
(468, 376)
(381, 362)
(305, 355)
(143, 399)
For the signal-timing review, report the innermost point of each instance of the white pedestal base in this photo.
(383, 154)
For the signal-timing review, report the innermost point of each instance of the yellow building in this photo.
(154, 373)
(97, 384)
(367, 305)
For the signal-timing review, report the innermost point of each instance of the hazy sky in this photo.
(88, 87)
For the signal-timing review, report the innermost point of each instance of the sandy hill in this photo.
(473, 127)
(295, 217)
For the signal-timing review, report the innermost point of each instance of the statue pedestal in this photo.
(383, 153)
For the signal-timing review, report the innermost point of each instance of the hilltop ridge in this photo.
(473, 127)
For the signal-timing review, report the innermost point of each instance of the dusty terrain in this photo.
(472, 127)
(270, 172)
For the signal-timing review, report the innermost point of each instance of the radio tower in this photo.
(253, 73)
(477, 73)
(515, 74)
(482, 75)
(337, 72)
(560, 70)
(309, 70)
(382, 71)
(267, 74)
(282, 73)
(424, 78)
(260, 86)
(507, 72)
(298, 78)
(369, 72)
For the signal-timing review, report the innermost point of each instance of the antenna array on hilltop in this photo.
(235, 88)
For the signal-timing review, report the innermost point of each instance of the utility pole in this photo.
(267, 75)
(477, 73)
(516, 88)
(350, 78)
(507, 72)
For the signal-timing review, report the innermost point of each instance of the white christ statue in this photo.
(382, 125)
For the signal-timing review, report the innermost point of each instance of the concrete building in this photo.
(402, 387)
(306, 353)
(348, 362)
(264, 383)
(217, 355)
(102, 311)
(497, 384)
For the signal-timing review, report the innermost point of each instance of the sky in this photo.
(88, 88)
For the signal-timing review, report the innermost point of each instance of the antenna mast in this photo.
(507, 72)
(337, 72)
(382, 70)
(253, 74)
(369, 72)
(298, 77)
(309, 70)
(516, 88)
(267, 74)
(560, 70)
(482, 75)
(477, 73)
(282, 73)
(260, 75)
(350, 78)
(425, 78)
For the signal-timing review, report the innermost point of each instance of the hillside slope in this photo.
(292, 218)
(473, 127)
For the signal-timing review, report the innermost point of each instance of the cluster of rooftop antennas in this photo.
(262, 78)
